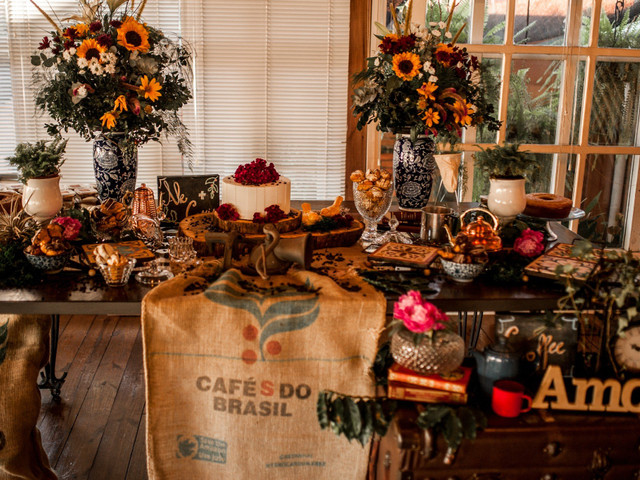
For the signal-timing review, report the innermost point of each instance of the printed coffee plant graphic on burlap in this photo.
(4, 332)
(277, 309)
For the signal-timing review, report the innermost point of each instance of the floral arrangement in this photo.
(71, 227)
(418, 316)
(256, 173)
(110, 72)
(420, 82)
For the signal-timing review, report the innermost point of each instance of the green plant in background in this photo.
(39, 160)
(508, 162)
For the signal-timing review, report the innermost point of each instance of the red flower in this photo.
(95, 26)
(258, 218)
(105, 40)
(393, 46)
(226, 211)
(256, 173)
(44, 44)
(529, 244)
(115, 23)
(70, 33)
(69, 44)
(274, 213)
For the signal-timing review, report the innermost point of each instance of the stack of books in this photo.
(405, 384)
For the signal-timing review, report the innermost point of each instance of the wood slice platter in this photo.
(196, 226)
(288, 224)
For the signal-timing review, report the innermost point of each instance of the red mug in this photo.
(507, 398)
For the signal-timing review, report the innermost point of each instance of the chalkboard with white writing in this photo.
(185, 195)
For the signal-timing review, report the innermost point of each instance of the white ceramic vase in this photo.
(506, 197)
(41, 198)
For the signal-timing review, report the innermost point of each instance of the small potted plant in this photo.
(506, 166)
(38, 166)
(422, 338)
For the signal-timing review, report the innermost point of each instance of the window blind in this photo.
(270, 80)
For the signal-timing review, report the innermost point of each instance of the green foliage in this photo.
(15, 269)
(39, 160)
(454, 422)
(354, 417)
(382, 363)
(505, 162)
(390, 281)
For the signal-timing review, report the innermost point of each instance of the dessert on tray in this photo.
(547, 205)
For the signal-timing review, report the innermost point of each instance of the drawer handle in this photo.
(553, 449)
(548, 476)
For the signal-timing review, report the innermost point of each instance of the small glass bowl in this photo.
(117, 275)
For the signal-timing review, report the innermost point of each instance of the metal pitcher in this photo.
(434, 218)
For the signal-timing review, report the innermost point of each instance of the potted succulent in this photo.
(506, 166)
(38, 166)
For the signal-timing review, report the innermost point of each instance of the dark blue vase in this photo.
(115, 168)
(413, 167)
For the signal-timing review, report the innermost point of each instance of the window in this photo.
(572, 98)
(270, 81)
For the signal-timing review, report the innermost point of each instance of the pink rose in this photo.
(70, 225)
(418, 315)
(530, 243)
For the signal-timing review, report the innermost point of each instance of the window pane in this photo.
(614, 108)
(577, 103)
(533, 101)
(438, 11)
(492, 76)
(540, 23)
(620, 24)
(605, 197)
(495, 14)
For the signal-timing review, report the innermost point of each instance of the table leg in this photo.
(49, 379)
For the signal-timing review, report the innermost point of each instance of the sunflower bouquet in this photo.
(108, 72)
(421, 82)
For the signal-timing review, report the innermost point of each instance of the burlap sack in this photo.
(233, 373)
(24, 344)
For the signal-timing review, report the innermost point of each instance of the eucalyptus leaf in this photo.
(35, 60)
(452, 430)
(468, 420)
(322, 410)
(336, 416)
(354, 416)
(366, 415)
(348, 421)
(433, 415)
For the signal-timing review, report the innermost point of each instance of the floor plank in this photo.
(81, 446)
(138, 463)
(123, 422)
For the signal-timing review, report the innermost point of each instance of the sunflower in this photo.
(121, 103)
(90, 49)
(133, 36)
(406, 65)
(443, 54)
(150, 88)
(108, 119)
(427, 90)
(431, 117)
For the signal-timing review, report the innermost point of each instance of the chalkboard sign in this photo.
(182, 196)
(540, 343)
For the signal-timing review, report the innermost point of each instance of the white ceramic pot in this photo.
(506, 197)
(41, 198)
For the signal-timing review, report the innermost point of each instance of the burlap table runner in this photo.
(24, 346)
(233, 370)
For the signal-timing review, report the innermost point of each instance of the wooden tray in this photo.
(248, 227)
(195, 227)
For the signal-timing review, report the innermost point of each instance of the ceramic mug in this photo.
(507, 399)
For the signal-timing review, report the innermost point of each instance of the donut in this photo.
(547, 205)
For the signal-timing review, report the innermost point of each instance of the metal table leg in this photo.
(49, 379)
(476, 327)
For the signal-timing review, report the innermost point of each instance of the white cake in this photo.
(249, 199)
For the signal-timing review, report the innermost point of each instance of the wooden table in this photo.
(73, 293)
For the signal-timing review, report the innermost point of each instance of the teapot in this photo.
(480, 232)
(496, 362)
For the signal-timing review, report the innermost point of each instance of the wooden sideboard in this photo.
(537, 446)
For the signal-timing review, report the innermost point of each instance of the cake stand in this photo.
(574, 214)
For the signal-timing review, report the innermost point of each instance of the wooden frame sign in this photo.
(592, 394)
(185, 195)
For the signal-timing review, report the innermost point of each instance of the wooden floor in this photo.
(97, 430)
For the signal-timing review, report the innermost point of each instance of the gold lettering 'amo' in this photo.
(552, 394)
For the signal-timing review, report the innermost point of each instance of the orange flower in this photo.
(133, 36)
(427, 90)
(406, 65)
(443, 54)
(82, 29)
(462, 113)
(108, 119)
(121, 103)
(90, 49)
(431, 117)
(150, 88)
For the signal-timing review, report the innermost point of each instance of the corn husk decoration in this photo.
(449, 166)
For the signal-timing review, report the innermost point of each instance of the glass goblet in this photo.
(148, 230)
(372, 205)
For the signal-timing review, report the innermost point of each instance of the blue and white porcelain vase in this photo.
(413, 169)
(115, 168)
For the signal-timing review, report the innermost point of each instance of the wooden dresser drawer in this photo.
(537, 447)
